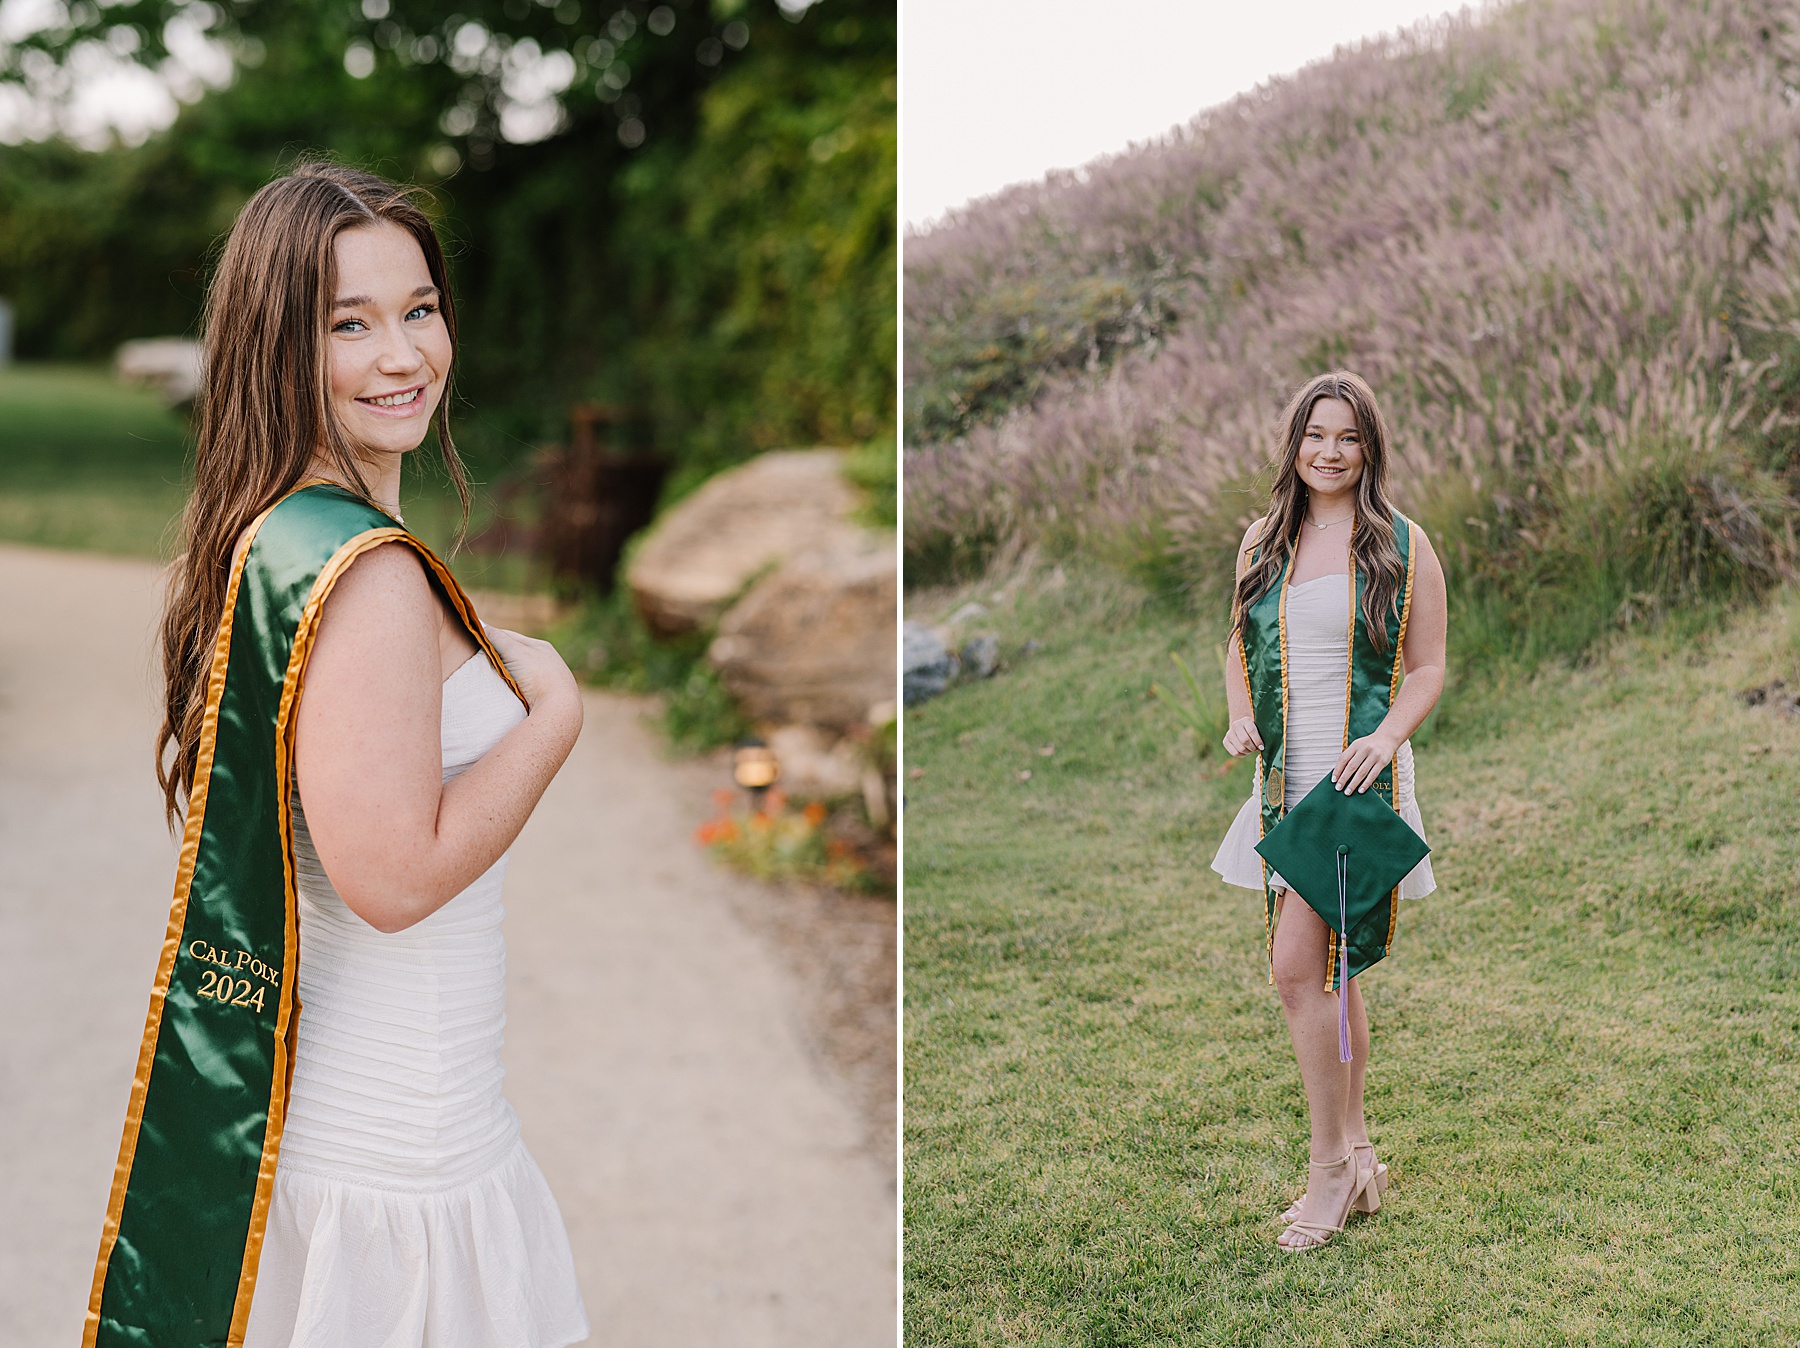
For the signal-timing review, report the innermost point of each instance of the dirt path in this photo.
(718, 1182)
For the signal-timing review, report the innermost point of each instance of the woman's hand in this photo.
(1362, 761)
(1243, 737)
(536, 668)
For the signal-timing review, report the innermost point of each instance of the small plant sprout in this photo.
(1199, 711)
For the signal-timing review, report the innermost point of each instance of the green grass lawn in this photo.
(88, 463)
(1586, 1066)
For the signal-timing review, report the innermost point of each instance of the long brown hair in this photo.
(1372, 527)
(264, 409)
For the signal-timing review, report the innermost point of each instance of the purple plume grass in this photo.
(1555, 238)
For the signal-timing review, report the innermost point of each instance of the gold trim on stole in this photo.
(1412, 560)
(1331, 936)
(1282, 648)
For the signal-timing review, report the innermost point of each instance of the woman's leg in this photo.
(1301, 940)
(1356, 1128)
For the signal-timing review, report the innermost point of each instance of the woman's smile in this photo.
(405, 403)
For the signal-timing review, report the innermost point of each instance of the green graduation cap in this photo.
(1344, 854)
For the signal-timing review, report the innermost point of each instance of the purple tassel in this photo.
(1343, 868)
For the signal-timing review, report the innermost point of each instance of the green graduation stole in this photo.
(1370, 683)
(190, 1196)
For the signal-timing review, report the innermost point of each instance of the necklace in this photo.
(1333, 523)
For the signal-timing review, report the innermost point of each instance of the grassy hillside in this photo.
(1563, 243)
(1587, 1041)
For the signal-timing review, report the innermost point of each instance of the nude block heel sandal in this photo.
(1369, 1200)
(1316, 1234)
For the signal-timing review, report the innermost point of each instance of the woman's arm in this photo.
(1242, 736)
(397, 841)
(1422, 653)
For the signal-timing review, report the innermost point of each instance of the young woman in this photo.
(317, 1151)
(1331, 560)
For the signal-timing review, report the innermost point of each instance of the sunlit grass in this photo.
(1587, 1042)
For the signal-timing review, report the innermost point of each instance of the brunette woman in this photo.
(317, 1151)
(1331, 563)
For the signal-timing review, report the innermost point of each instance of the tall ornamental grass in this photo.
(1561, 238)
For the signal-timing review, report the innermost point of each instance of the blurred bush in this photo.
(606, 642)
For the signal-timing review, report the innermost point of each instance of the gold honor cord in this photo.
(190, 1196)
(1371, 679)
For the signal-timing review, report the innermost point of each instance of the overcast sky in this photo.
(1001, 91)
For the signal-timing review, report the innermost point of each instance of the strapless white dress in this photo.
(406, 1211)
(1318, 623)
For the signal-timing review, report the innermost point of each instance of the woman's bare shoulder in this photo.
(1245, 548)
(1252, 534)
(389, 577)
(377, 642)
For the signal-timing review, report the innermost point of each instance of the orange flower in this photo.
(815, 813)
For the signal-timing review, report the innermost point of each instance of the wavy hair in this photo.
(1372, 527)
(264, 409)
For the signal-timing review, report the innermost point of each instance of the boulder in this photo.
(814, 766)
(170, 365)
(705, 550)
(928, 665)
(813, 641)
(981, 657)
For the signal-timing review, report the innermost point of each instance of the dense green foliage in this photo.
(712, 243)
(1586, 1042)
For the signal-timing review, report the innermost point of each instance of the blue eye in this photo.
(423, 310)
(348, 325)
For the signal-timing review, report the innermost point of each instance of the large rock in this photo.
(813, 641)
(929, 665)
(706, 550)
(814, 766)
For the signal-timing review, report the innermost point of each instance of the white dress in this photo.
(406, 1211)
(1318, 624)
